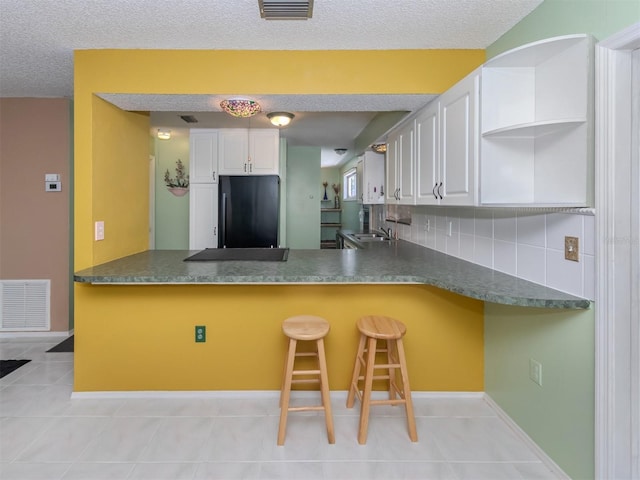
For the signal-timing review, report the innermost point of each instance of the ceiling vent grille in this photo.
(285, 9)
(189, 118)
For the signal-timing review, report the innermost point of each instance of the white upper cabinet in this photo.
(391, 167)
(536, 137)
(371, 178)
(203, 156)
(459, 142)
(400, 187)
(446, 146)
(428, 155)
(249, 151)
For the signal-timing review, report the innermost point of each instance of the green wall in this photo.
(559, 416)
(303, 197)
(172, 213)
(600, 18)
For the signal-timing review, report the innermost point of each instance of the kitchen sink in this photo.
(371, 237)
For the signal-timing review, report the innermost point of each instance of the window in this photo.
(349, 181)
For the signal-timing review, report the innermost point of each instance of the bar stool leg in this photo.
(285, 393)
(411, 421)
(356, 372)
(391, 359)
(366, 395)
(324, 389)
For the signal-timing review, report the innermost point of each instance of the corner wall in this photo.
(35, 139)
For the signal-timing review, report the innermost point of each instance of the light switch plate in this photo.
(99, 231)
(571, 248)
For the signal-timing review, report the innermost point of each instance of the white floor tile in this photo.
(45, 434)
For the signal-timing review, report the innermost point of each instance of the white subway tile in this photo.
(589, 277)
(483, 251)
(504, 256)
(560, 225)
(466, 247)
(531, 229)
(531, 263)
(484, 223)
(467, 222)
(588, 245)
(441, 241)
(505, 226)
(564, 275)
(453, 245)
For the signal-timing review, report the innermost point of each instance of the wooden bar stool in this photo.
(305, 328)
(373, 328)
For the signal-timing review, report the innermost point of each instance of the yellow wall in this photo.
(142, 337)
(111, 181)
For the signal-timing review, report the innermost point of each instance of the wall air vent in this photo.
(24, 305)
(285, 9)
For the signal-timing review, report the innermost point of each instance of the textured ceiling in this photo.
(38, 37)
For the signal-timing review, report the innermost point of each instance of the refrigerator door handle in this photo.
(223, 221)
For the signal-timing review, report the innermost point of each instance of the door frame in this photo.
(617, 181)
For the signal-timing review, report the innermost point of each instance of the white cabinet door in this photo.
(247, 152)
(360, 193)
(203, 156)
(458, 141)
(406, 163)
(428, 155)
(203, 216)
(373, 178)
(233, 151)
(391, 192)
(264, 152)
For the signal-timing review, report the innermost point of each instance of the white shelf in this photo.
(534, 129)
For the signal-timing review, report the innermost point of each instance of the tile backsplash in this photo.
(525, 243)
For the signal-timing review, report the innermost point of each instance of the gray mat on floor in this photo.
(64, 346)
(8, 366)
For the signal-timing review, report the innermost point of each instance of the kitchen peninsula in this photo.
(151, 347)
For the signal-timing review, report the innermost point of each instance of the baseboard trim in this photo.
(544, 458)
(64, 333)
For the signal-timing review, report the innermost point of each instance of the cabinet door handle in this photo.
(214, 177)
(250, 167)
(440, 191)
(433, 190)
(245, 168)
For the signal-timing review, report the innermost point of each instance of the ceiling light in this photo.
(379, 147)
(340, 151)
(280, 119)
(164, 134)
(240, 107)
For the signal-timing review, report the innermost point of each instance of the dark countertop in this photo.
(398, 262)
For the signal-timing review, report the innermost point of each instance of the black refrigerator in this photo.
(248, 211)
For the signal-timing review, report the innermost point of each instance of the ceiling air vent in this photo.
(189, 118)
(285, 9)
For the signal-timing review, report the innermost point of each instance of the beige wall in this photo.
(35, 139)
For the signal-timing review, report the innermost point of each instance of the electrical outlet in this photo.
(449, 229)
(427, 225)
(571, 248)
(99, 231)
(535, 371)
(201, 333)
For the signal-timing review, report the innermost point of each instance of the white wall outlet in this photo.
(535, 371)
(99, 231)
(427, 225)
(449, 229)
(51, 177)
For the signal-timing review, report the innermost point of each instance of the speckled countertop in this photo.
(397, 263)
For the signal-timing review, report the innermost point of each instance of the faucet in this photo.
(387, 232)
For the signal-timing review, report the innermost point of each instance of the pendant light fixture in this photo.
(280, 119)
(240, 107)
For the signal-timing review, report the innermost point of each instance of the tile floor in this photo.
(46, 435)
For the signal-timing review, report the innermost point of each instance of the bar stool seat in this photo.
(373, 328)
(305, 328)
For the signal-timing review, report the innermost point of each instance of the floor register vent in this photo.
(24, 305)
(285, 9)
